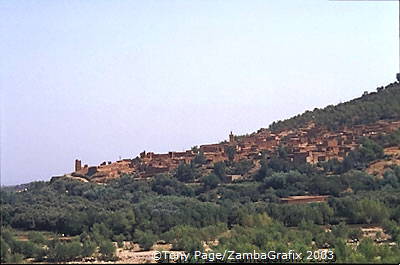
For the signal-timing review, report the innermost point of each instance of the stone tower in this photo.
(78, 165)
(231, 137)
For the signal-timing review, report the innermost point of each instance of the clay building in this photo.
(310, 144)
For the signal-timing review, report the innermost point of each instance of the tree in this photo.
(88, 248)
(282, 152)
(185, 173)
(167, 185)
(367, 248)
(230, 151)
(107, 250)
(243, 166)
(28, 249)
(371, 211)
(211, 181)
(121, 222)
(5, 251)
(184, 237)
(119, 239)
(72, 250)
(101, 232)
(15, 258)
(220, 170)
(36, 237)
(62, 252)
(195, 149)
(264, 171)
(200, 159)
(355, 233)
(342, 252)
(340, 230)
(145, 239)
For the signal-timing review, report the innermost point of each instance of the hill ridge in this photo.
(312, 137)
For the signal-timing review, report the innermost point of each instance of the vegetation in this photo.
(197, 207)
(186, 215)
(371, 107)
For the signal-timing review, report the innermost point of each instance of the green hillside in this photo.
(198, 206)
(371, 107)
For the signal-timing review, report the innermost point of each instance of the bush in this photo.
(5, 250)
(211, 181)
(145, 239)
(199, 159)
(107, 250)
(220, 170)
(27, 248)
(73, 250)
(88, 248)
(185, 238)
(37, 237)
(185, 172)
(119, 239)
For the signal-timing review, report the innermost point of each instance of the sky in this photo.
(101, 80)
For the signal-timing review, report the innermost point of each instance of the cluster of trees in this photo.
(70, 207)
(193, 172)
(371, 107)
(368, 151)
(187, 215)
(194, 205)
(294, 182)
(259, 232)
(51, 249)
(387, 140)
(285, 178)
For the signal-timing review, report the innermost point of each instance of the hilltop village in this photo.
(310, 144)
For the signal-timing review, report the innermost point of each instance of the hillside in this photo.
(371, 107)
(306, 188)
(312, 137)
(392, 158)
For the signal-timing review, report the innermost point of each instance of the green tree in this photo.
(28, 249)
(58, 253)
(200, 159)
(101, 232)
(65, 251)
(367, 248)
(15, 258)
(243, 166)
(88, 248)
(36, 237)
(340, 231)
(211, 181)
(264, 171)
(5, 250)
(72, 250)
(185, 172)
(230, 152)
(220, 170)
(145, 239)
(119, 239)
(107, 250)
(184, 237)
(371, 211)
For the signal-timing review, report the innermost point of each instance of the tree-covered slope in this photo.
(196, 205)
(371, 107)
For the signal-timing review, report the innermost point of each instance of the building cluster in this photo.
(103, 172)
(310, 144)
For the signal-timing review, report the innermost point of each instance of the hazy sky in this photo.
(97, 80)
